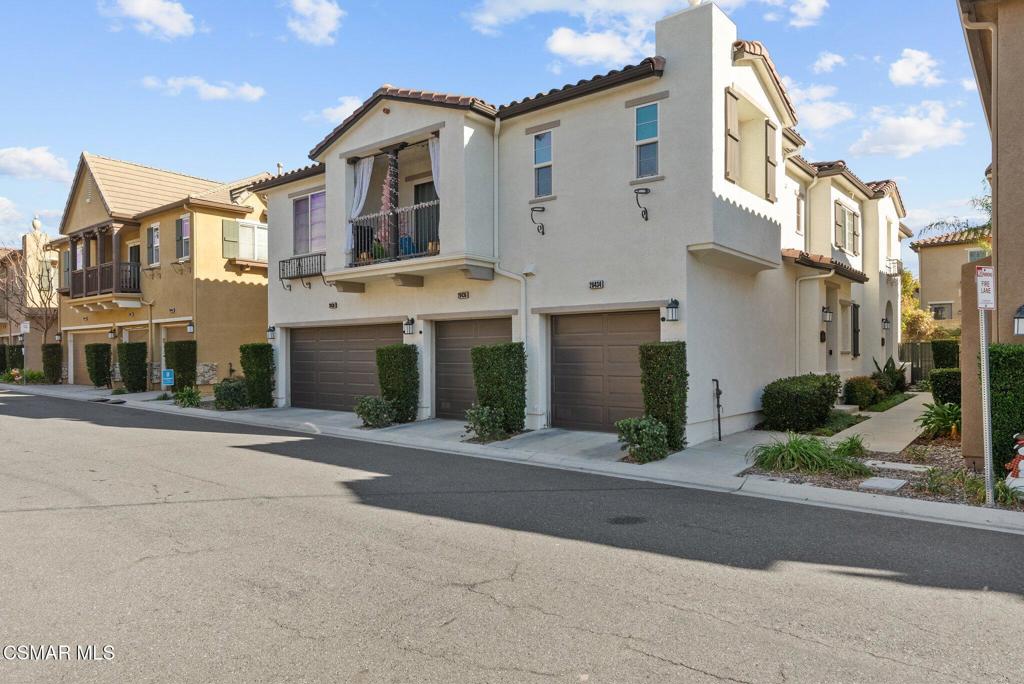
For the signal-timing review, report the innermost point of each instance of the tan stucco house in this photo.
(941, 259)
(28, 298)
(666, 200)
(152, 255)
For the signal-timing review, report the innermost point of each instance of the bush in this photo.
(945, 354)
(52, 364)
(486, 422)
(940, 420)
(3, 358)
(230, 394)
(15, 356)
(645, 439)
(945, 384)
(398, 374)
(800, 403)
(180, 356)
(258, 367)
(861, 391)
(892, 375)
(499, 374)
(188, 397)
(664, 380)
(799, 453)
(97, 362)
(34, 377)
(375, 412)
(1006, 368)
(119, 391)
(132, 361)
(851, 447)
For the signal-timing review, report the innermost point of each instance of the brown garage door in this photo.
(81, 371)
(332, 367)
(595, 367)
(453, 374)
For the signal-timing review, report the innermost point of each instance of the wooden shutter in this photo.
(732, 136)
(856, 234)
(65, 268)
(229, 238)
(840, 228)
(855, 328)
(179, 250)
(770, 161)
(149, 246)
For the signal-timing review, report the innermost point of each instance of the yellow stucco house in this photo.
(941, 258)
(147, 255)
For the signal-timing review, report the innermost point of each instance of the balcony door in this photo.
(135, 254)
(427, 218)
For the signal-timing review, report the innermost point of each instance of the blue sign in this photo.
(167, 377)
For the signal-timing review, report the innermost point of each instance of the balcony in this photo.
(403, 233)
(893, 268)
(105, 279)
(305, 266)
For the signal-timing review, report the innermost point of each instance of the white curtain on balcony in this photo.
(364, 169)
(434, 145)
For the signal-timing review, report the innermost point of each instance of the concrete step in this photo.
(848, 408)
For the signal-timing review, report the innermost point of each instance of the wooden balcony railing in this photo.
(102, 279)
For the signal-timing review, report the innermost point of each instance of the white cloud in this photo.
(806, 12)
(161, 18)
(224, 90)
(9, 214)
(346, 105)
(815, 106)
(594, 47)
(915, 67)
(919, 128)
(315, 21)
(969, 84)
(34, 162)
(826, 62)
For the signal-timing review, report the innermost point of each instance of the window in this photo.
(309, 223)
(847, 229)
(647, 141)
(153, 245)
(183, 237)
(79, 255)
(942, 311)
(252, 241)
(45, 277)
(542, 164)
(976, 254)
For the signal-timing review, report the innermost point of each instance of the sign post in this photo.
(26, 327)
(167, 378)
(986, 282)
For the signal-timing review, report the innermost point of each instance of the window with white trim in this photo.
(252, 241)
(976, 254)
(309, 223)
(183, 237)
(847, 229)
(153, 245)
(941, 311)
(646, 140)
(542, 164)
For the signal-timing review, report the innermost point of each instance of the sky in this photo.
(226, 89)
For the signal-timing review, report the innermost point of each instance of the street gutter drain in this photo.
(627, 520)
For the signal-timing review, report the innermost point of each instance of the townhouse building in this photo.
(148, 255)
(940, 259)
(28, 298)
(666, 200)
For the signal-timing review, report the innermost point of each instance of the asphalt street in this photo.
(200, 551)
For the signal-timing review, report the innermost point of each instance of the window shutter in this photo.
(179, 250)
(65, 269)
(229, 238)
(840, 228)
(856, 234)
(149, 245)
(770, 161)
(732, 136)
(855, 325)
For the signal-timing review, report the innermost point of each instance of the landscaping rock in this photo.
(882, 484)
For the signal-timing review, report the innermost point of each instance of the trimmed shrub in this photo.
(188, 397)
(180, 356)
(398, 374)
(945, 384)
(52, 365)
(486, 422)
(375, 412)
(946, 354)
(230, 394)
(131, 360)
(891, 377)
(33, 377)
(664, 380)
(645, 439)
(97, 362)
(499, 374)
(3, 358)
(861, 391)
(258, 368)
(1006, 366)
(15, 356)
(800, 403)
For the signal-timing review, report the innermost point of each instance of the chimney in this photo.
(280, 168)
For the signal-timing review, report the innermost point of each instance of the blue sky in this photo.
(229, 88)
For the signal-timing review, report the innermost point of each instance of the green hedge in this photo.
(945, 384)
(1006, 367)
(132, 362)
(15, 356)
(499, 374)
(861, 391)
(52, 369)
(180, 356)
(800, 403)
(946, 354)
(97, 362)
(258, 369)
(230, 394)
(398, 374)
(665, 381)
(3, 358)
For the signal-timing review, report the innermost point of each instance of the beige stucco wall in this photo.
(940, 268)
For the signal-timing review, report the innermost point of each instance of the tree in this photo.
(918, 324)
(981, 232)
(28, 282)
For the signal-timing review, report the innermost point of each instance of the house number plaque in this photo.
(596, 284)
(464, 294)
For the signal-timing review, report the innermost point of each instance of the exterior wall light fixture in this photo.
(1018, 322)
(886, 324)
(826, 315)
(112, 333)
(643, 210)
(271, 334)
(190, 328)
(57, 338)
(409, 326)
(672, 310)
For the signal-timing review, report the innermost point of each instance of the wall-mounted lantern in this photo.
(826, 315)
(112, 333)
(1018, 322)
(190, 328)
(886, 324)
(409, 326)
(271, 334)
(643, 210)
(57, 338)
(672, 310)
(533, 213)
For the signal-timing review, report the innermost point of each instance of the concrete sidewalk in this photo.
(890, 431)
(711, 465)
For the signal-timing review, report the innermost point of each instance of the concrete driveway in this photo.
(202, 551)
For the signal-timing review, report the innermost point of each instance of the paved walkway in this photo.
(891, 431)
(711, 465)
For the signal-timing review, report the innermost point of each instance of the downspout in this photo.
(149, 335)
(796, 338)
(523, 313)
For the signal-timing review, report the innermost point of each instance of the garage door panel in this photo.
(455, 390)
